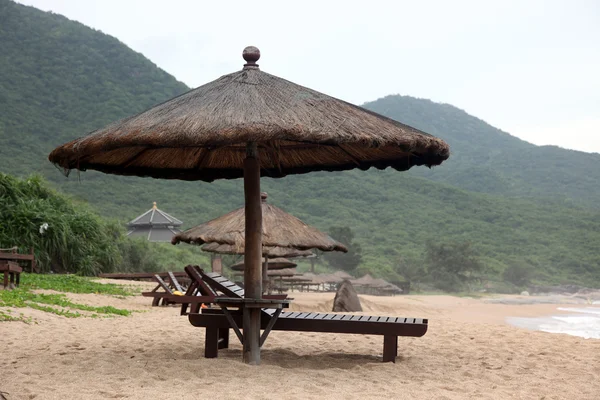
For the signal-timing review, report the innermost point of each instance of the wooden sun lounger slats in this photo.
(199, 292)
(217, 322)
(217, 325)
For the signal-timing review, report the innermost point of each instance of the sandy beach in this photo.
(469, 352)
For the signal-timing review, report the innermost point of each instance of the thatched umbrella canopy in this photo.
(277, 272)
(275, 263)
(365, 280)
(251, 124)
(267, 251)
(279, 229)
(202, 134)
(283, 272)
(343, 275)
(330, 278)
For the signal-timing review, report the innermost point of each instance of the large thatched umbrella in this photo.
(250, 124)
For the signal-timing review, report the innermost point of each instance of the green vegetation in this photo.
(69, 237)
(452, 266)
(515, 203)
(51, 303)
(488, 160)
(349, 261)
(72, 284)
(58, 303)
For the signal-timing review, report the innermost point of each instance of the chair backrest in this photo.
(219, 283)
(175, 282)
(163, 284)
(197, 284)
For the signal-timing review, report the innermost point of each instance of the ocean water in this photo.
(580, 321)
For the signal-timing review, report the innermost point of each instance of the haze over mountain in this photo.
(535, 205)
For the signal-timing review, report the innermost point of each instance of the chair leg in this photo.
(18, 279)
(155, 301)
(211, 343)
(6, 280)
(390, 348)
(223, 338)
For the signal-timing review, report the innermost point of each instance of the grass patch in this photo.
(7, 316)
(57, 304)
(72, 284)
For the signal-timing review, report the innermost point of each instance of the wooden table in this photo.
(245, 303)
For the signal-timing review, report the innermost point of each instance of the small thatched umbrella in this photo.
(365, 280)
(250, 124)
(343, 275)
(280, 230)
(276, 273)
(274, 263)
(267, 251)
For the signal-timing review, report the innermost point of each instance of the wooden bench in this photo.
(12, 274)
(217, 325)
(14, 256)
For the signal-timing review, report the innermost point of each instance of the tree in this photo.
(411, 269)
(451, 266)
(344, 261)
(517, 274)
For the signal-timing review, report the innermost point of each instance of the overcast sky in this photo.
(531, 68)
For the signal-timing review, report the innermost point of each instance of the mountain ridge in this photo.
(53, 92)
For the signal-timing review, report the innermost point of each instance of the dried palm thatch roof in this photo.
(278, 229)
(392, 288)
(267, 251)
(314, 278)
(202, 134)
(365, 280)
(275, 263)
(343, 274)
(276, 273)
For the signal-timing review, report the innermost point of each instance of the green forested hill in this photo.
(60, 79)
(486, 159)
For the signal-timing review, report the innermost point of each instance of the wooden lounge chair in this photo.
(198, 292)
(167, 290)
(217, 325)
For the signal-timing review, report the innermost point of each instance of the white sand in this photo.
(468, 353)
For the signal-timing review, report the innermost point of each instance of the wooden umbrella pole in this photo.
(253, 254)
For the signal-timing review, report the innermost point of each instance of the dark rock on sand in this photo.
(346, 299)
